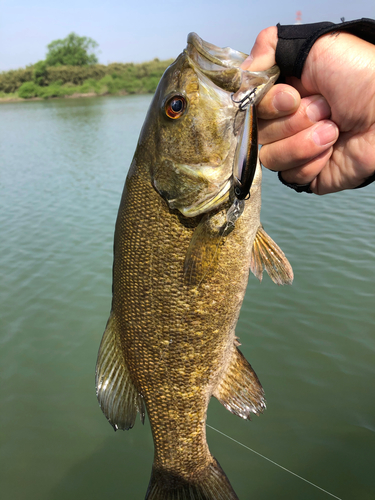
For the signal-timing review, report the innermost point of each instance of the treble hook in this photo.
(247, 99)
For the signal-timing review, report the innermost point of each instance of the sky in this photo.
(140, 30)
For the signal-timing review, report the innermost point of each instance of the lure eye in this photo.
(175, 107)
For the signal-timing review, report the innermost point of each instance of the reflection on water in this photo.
(63, 164)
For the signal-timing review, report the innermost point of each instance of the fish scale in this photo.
(161, 325)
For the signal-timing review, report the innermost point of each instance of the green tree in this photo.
(40, 72)
(73, 50)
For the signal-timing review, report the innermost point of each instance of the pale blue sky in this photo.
(141, 30)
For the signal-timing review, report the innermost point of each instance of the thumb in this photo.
(262, 55)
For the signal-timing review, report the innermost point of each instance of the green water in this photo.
(62, 169)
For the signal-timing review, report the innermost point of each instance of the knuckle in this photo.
(290, 126)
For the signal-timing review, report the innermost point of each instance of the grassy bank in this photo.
(40, 81)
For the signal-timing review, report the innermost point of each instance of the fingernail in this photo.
(324, 134)
(318, 110)
(284, 101)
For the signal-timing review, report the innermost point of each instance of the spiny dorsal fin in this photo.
(118, 398)
(210, 484)
(240, 390)
(269, 256)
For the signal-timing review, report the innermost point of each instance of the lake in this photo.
(62, 168)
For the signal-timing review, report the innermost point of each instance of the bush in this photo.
(54, 90)
(74, 74)
(8, 96)
(53, 81)
(28, 89)
(132, 86)
(90, 85)
(107, 85)
(151, 84)
(12, 80)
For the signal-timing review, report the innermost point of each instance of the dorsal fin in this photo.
(118, 398)
(240, 390)
(267, 255)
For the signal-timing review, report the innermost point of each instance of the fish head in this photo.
(191, 131)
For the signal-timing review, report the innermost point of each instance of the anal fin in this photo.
(118, 398)
(240, 390)
(267, 255)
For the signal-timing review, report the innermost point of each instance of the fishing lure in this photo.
(246, 157)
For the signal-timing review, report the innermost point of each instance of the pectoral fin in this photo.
(240, 390)
(118, 398)
(205, 246)
(266, 255)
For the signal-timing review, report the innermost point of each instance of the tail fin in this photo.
(211, 484)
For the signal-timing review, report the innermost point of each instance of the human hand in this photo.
(320, 129)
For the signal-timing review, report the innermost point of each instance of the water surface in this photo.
(62, 168)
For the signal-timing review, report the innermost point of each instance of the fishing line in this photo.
(272, 462)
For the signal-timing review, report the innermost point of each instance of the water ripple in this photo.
(64, 163)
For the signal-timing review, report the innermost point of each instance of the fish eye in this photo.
(175, 106)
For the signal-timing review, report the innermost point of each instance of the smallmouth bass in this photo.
(180, 273)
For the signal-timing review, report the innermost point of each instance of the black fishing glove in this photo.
(296, 40)
(294, 44)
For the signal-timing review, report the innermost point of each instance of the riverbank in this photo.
(77, 95)
(86, 81)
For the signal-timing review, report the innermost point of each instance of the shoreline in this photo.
(72, 82)
(76, 95)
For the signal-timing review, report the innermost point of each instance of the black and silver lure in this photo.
(253, 88)
(246, 157)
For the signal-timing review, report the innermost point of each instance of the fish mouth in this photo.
(220, 65)
(207, 55)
